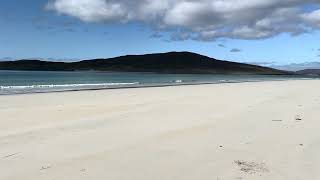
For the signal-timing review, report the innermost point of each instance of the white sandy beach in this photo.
(202, 132)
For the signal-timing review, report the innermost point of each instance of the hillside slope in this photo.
(172, 62)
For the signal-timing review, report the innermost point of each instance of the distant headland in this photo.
(171, 62)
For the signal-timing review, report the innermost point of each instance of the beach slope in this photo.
(255, 130)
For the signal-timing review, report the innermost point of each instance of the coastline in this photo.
(138, 85)
(252, 130)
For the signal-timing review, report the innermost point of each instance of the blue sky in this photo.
(29, 29)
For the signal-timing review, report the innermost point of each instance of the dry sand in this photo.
(203, 132)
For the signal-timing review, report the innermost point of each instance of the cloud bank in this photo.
(201, 19)
(297, 66)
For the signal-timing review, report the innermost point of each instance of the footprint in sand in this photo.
(45, 167)
(10, 155)
(251, 167)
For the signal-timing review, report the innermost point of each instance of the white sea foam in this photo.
(66, 86)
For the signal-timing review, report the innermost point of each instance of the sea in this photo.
(22, 82)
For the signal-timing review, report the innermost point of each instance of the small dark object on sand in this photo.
(298, 118)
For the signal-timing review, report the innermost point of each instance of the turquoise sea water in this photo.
(16, 82)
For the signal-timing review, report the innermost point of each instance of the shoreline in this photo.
(157, 85)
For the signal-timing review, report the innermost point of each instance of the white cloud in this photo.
(312, 18)
(235, 50)
(200, 19)
(89, 10)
